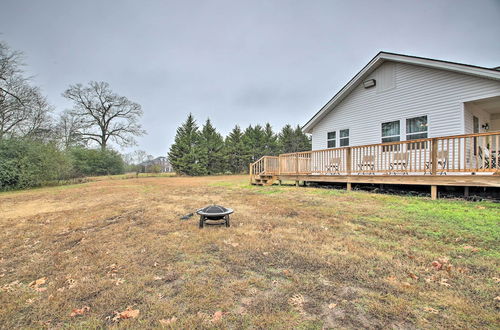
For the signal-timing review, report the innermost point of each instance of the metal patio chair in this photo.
(399, 161)
(442, 158)
(367, 164)
(333, 168)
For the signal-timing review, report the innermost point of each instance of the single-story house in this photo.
(399, 97)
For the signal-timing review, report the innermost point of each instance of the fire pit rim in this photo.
(211, 214)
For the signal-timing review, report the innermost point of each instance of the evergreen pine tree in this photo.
(211, 149)
(285, 139)
(270, 147)
(184, 153)
(302, 141)
(293, 140)
(236, 152)
(254, 140)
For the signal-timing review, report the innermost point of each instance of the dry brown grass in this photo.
(294, 258)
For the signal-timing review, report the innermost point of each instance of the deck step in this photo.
(264, 180)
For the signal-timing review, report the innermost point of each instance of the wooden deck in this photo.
(462, 160)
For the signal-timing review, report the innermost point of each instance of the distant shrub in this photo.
(96, 162)
(26, 163)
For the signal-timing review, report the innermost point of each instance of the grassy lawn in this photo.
(293, 258)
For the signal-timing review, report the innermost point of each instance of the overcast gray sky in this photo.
(237, 62)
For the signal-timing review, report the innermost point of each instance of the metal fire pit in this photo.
(214, 213)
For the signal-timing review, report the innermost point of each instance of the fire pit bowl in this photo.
(214, 213)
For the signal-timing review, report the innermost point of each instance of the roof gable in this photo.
(383, 57)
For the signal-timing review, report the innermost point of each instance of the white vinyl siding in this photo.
(415, 91)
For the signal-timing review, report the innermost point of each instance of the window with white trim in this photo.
(416, 128)
(331, 139)
(391, 131)
(344, 137)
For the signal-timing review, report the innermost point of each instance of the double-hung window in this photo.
(331, 139)
(390, 133)
(416, 128)
(344, 137)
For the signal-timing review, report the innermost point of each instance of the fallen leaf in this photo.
(171, 320)
(497, 298)
(216, 317)
(129, 313)
(444, 282)
(119, 281)
(37, 283)
(332, 305)
(413, 276)
(437, 265)
(79, 311)
(473, 249)
(431, 310)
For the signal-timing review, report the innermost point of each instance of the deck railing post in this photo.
(265, 164)
(297, 163)
(434, 150)
(279, 166)
(251, 172)
(348, 163)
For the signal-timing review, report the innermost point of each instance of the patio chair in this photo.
(333, 167)
(485, 156)
(399, 161)
(367, 164)
(442, 157)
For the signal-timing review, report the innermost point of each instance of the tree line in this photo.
(38, 146)
(204, 151)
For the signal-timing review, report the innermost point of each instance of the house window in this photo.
(416, 128)
(331, 139)
(390, 133)
(344, 137)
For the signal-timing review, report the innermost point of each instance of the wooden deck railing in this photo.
(470, 153)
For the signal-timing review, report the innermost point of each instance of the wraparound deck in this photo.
(462, 160)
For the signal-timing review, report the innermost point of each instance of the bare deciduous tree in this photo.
(104, 115)
(24, 111)
(68, 130)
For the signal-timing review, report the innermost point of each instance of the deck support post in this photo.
(296, 183)
(349, 186)
(304, 183)
(434, 192)
(279, 182)
(466, 191)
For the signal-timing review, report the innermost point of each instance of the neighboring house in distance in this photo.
(160, 164)
(398, 97)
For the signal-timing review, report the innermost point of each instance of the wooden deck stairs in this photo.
(264, 180)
